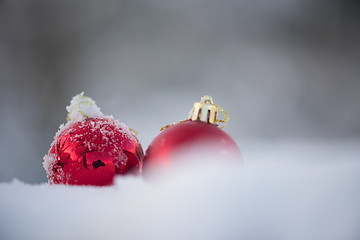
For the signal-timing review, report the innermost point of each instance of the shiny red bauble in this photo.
(92, 152)
(189, 136)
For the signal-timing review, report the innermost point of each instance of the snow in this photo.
(82, 107)
(283, 191)
(79, 109)
(48, 163)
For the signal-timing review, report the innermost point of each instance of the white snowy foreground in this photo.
(283, 191)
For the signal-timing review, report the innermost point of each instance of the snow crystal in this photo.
(49, 162)
(82, 107)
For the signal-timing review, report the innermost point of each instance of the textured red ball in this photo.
(189, 136)
(91, 152)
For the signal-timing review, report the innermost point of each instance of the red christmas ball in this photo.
(91, 152)
(178, 139)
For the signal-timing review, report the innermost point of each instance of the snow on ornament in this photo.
(91, 148)
(195, 139)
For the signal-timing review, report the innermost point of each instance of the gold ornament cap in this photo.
(206, 111)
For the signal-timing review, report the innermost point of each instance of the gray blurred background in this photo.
(285, 70)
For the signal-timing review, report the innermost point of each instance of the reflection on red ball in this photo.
(185, 136)
(92, 151)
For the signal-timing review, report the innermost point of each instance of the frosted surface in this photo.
(83, 109)
(280, 193)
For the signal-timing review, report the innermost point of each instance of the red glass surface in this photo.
(93, 151)
(187, 135)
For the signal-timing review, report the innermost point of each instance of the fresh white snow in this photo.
(283, 191)
(82, 107)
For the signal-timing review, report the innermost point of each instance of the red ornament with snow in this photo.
(91, 148)
(197, 137)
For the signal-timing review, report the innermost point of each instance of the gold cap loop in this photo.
(206, 111)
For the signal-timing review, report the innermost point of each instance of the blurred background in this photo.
(286, 71)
